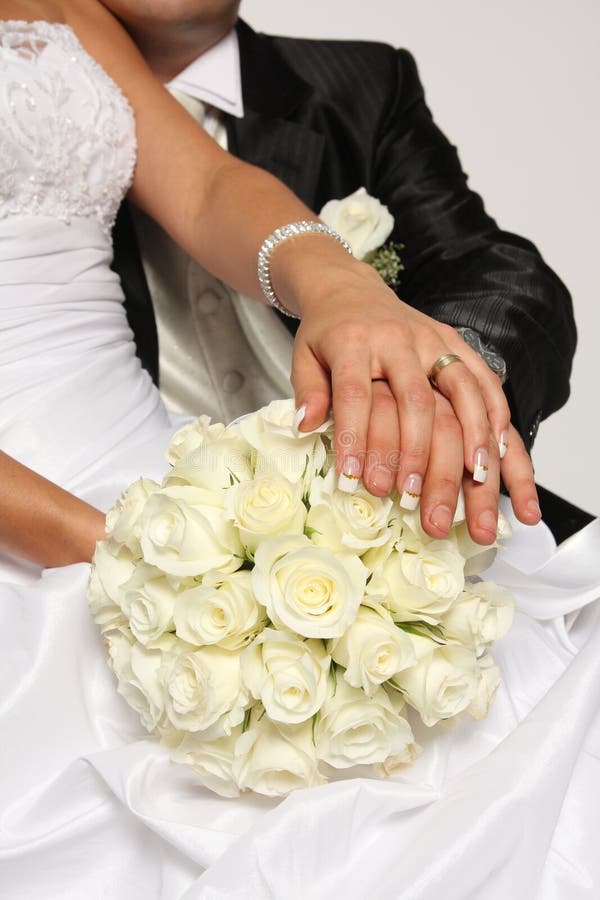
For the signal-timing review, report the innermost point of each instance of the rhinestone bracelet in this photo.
(273, 241)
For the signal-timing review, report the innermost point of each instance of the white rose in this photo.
(203, 688)
(212, 761)
(268, 505)
(437, 567)
(280, 447)
(123, 520)
(185, 532)
(353, 729)
(340, 520)
(395, 763)
(406, 601)
(192, 436)
(216, 462)
(478, 557)
(222, 610)
(372, 649)
(112, 566)
(138, 670)
(361, 220)
(307, 589)
(276, 759)
(288, 675)
(482, 614)
(149, 600)
(376, 557)
(443, 682)
(488, 682)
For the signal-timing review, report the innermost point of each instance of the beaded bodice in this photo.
(67, 143)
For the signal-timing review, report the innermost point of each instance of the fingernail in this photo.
(442, 518)
(534, 507)
(503, 443)
(350, 474)
(381, 479)
(298, 416)
(481, 464)
(487, 521)
(411, 492)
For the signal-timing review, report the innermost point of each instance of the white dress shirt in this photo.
(219, 353)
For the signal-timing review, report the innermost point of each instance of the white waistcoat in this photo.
(219, 353)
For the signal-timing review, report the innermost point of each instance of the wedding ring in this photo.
(440, 364)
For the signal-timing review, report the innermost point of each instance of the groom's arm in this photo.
(460, 267)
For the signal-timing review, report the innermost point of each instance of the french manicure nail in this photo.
(481, 465)
(350, 474)
(298, 416)
(411, 492)
(503, 443)
(442, 518)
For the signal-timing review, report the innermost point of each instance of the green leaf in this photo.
(424, 629)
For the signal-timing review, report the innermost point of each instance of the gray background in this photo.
(515, 86)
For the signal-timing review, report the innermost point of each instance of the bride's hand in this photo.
(356, 334)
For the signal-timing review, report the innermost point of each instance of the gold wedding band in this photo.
(440, 364)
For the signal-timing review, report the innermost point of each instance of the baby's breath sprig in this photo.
(387, 263)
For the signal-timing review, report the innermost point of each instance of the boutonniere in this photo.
(366, 224)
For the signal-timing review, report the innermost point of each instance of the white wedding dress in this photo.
(90, 806)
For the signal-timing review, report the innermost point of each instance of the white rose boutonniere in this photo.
(366, 224)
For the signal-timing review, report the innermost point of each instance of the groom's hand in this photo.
(446, 474)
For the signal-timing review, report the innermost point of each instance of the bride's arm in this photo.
(41, 522)
(354, 329)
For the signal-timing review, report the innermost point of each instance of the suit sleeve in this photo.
(460, 268)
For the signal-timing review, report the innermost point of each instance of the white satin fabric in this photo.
(92, 807)
(505, 807)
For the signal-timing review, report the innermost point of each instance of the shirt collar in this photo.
(215, 76)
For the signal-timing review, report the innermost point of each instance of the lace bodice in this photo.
(67, 143)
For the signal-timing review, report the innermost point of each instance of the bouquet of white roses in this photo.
(270, 628)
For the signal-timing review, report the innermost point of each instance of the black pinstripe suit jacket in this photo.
(327, 117)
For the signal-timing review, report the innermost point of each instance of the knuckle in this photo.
(415, 457)
(352, 392)
(398, 333)
(351, 333)
(447, 333)
(419, 397)
(463, 378)
(447, 484)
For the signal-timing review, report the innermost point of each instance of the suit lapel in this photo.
(268, 136)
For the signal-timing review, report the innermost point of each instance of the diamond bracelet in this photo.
(273, 241)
